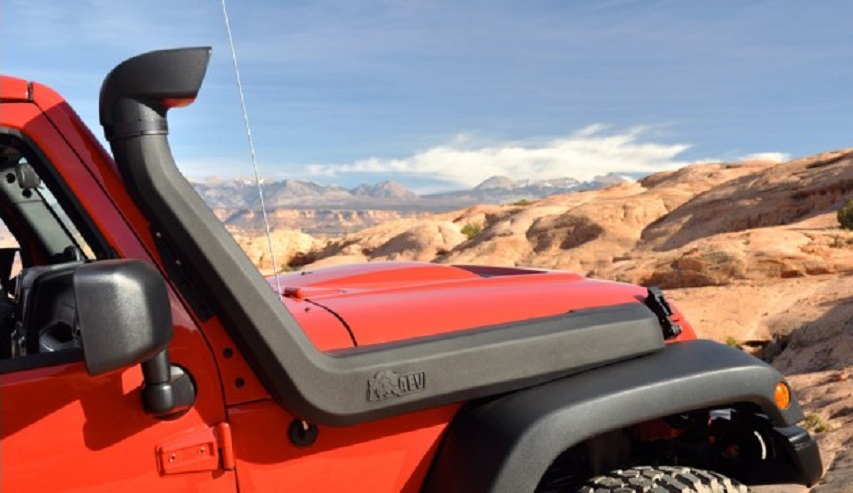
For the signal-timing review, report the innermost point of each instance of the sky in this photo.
(439, 94)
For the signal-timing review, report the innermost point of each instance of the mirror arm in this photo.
(168, 391)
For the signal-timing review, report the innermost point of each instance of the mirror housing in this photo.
(123, 313)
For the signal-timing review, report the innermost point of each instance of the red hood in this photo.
(391, 301)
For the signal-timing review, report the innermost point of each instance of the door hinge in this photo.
(208, 449)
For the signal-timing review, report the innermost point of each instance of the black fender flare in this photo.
(505, 445)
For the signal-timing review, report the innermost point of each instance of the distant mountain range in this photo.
(242, 194)
(503, 190)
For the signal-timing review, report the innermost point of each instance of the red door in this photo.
(62, 430)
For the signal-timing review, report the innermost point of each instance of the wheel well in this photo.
(737, 441)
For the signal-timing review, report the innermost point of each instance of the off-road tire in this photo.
(662, 479)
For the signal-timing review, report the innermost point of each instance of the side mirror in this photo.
(123, 313)
(125, 318)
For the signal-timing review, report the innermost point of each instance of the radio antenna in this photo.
(251, 147)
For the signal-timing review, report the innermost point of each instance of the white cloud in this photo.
(582, 155)
(464, 163)
(776, 157)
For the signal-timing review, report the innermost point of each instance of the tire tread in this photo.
(662, 479)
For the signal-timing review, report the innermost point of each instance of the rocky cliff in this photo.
(317, 222)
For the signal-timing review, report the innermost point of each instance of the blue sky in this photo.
(441, 94)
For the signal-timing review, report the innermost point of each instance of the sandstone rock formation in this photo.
(702, 225)
(318, 222)
(288, 244)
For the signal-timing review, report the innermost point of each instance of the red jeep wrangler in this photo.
(142, 351)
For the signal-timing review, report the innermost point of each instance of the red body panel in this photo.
(14, 89)
(64, 430)
(391, 455)
(391, 301)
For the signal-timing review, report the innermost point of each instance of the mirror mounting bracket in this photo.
(168, 390)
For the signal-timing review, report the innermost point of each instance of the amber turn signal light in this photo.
(782, 395)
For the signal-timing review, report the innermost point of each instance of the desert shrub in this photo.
(522, 203)
(815, 422)
(471, 230)
(732, 342)
(845, 215)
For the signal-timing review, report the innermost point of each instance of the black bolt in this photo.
(303, 433)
